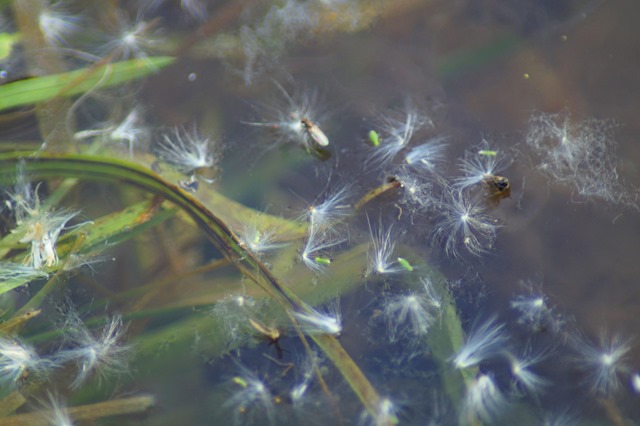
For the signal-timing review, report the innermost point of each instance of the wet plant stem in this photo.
(377, 192)
(42, 59)
(116, 407)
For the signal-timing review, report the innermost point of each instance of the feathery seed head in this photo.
(427, 156)
(315, 251)
(251, 397)
(381, 252)
(602, 362)
(483, 342)
(395, 134)
(483, 400)
(38, 226)
(19, 361)
(190, 153)
(521, 369)
(464, 224)
(313, 321)
(100, 353)
(57, 25)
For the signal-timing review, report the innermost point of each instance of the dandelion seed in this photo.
(260, 241)
(57, 25)
(332, 210)
(395, 135)
(38, 226)
(251, 397)
(43, 235)
(55, 413)
(314, 253)
(523, 375)
(563, 418)
(482, 343)
(381, 250)
(635, 382)
(430, 294)
(19, 361)
(130, 131)
(133, 39)
(603, 362)
(94, 353)
(463, 223)
(408, 314)
(386, 414)
(483, 400)
(534, 310)
(190, 153)
(315, 322)
(309, 366)
(427, 156)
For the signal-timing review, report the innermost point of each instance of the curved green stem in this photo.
(109, 169)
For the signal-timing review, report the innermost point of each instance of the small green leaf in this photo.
(374, 138)
(323, 261)
(405, 264)
(240, 381)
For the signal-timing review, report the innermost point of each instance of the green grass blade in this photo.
(72, 83)
(114, 170)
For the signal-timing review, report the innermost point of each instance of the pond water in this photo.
(544, 91)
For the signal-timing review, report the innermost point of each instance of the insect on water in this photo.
(314, 133)
(270, 335)
(499, 187)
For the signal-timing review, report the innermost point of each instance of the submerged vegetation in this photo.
(156, 244)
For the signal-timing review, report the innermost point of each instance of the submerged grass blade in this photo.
(18, 321)
(114, 170)
(40, 89)
(11, 402)
(116, 407)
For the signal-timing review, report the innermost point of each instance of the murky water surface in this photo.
(548, 87)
